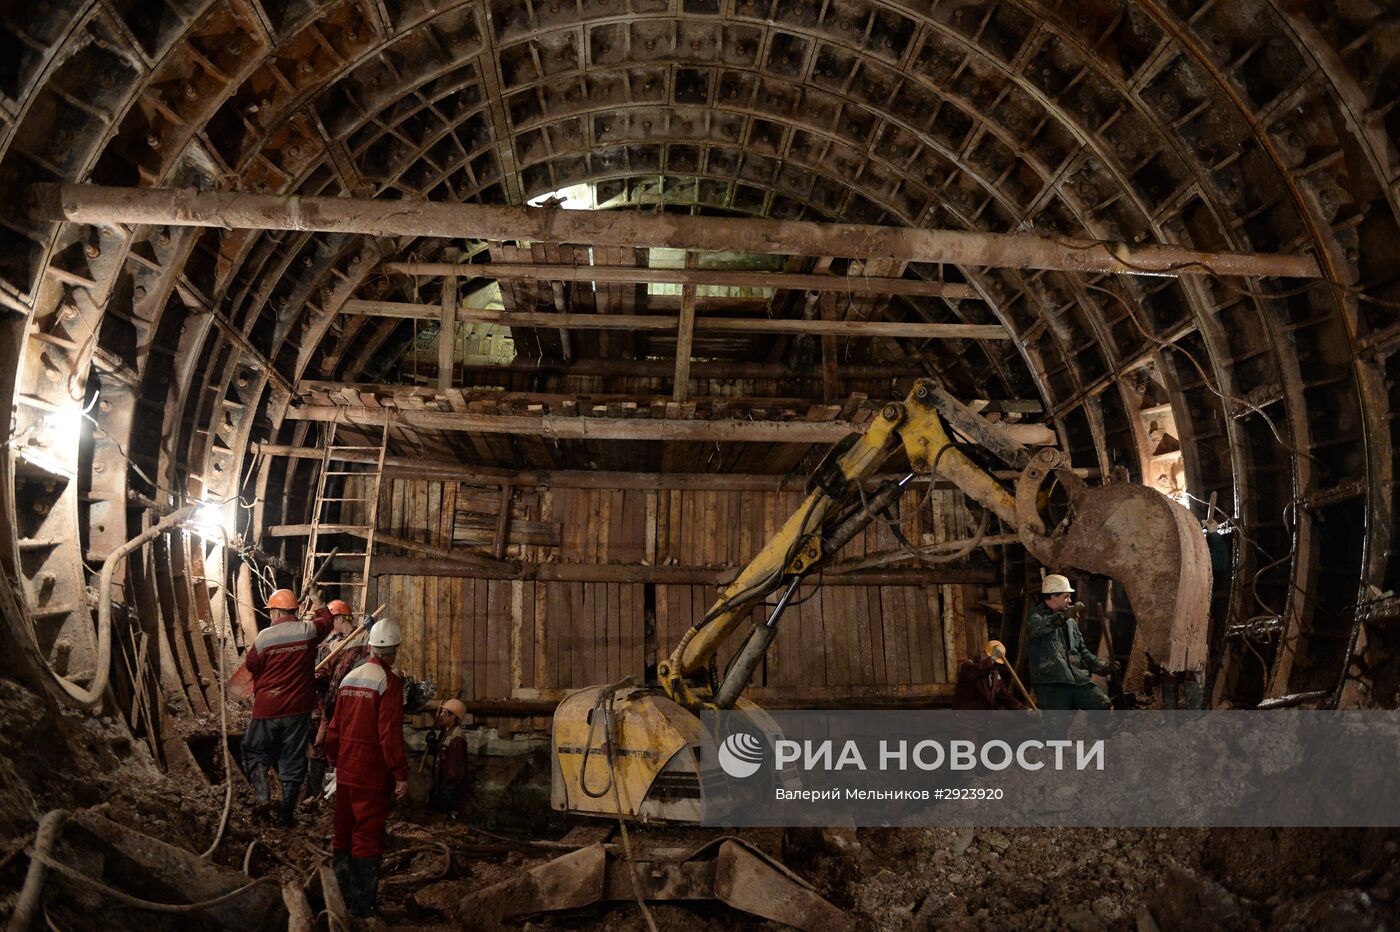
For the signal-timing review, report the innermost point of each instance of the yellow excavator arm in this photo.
(636, 737)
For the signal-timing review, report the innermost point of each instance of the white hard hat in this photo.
(1053, 584)
(385, 633)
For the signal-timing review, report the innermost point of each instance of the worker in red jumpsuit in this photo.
(282, 662)
(328, 677)
(364, 744)
(449, 758)
(980, 685)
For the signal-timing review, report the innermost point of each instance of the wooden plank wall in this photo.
(490, 639)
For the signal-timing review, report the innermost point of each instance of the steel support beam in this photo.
(106, 206)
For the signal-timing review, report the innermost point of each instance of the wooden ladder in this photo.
(336, 455)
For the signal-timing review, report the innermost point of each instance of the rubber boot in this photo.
(315, 780)
(364, 874)
(290, 793)
(262, 796)
(340, 864)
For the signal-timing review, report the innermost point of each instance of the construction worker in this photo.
(282, 662)
(980, 685)
(325, 691)
(364, 744)
(449, 757)
(344, 626)
(1059, 663)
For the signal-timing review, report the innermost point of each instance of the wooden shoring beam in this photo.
(847, 328)
(107, 206)
(734, 278)
(563, 427)
(944, 574)
(728, 370)
(419, 468)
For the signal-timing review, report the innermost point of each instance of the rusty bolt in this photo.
(921, 392)
(890, 413)
(92, 250)
(353, 35)
(293, 151)
(100, 528)
(99, 467)
(41, 508)
(235, 45)
(304, 67)
(191, 92)
(153, 140)
(105, 405)
(139, 292)
(920, 464)
(70, 312)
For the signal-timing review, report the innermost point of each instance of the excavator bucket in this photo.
(729, 870)
(1156, 549)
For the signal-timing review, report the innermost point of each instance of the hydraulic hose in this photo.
(92, 696)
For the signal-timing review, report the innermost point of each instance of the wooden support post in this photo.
(502, 538)
(684, 335)
(827, 302)
(447, 336)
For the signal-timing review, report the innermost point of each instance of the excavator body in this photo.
(632, 751)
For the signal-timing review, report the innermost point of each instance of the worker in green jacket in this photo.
(1058, 661)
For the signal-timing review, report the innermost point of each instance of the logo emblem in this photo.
(741, 755)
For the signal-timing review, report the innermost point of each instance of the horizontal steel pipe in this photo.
(100, 205)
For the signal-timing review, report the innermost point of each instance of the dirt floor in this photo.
(1077, 879)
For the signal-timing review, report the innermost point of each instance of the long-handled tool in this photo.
(310, 587)
(991, 649)
(355, 637)
(1022, 687)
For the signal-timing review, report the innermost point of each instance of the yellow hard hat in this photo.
(995, 646)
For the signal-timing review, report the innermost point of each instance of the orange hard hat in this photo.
(338, 607)
(283, 599)
(457, 707)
